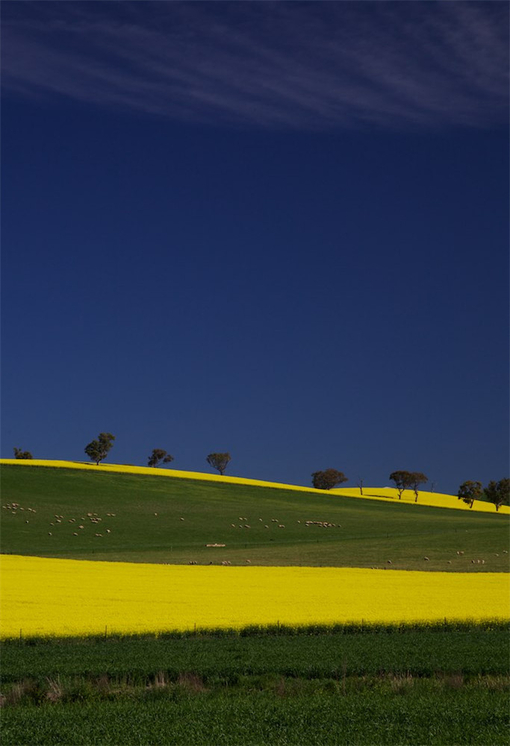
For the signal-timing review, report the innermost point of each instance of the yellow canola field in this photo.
(73, 597)
(387, 494)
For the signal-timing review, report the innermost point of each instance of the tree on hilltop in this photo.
(97, 450)
(469, 492)
(327, 479)
(417, 478)
(219, 461)
(18, 453)
(498, 493)
(158, 455)
(403, 481)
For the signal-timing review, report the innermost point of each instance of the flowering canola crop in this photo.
(72, 597)
(388, 494)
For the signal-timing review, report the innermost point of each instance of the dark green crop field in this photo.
(378, 687)
(159, 519)
(314, 653)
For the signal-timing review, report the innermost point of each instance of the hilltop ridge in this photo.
(387, 494)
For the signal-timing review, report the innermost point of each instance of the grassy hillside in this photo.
(433, 499)
(153, 519)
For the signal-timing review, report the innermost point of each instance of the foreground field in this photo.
(69, 597)
(431, 686)
(95, 514)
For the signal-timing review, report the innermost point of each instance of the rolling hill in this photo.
(138, 514)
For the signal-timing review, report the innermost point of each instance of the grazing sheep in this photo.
(389, 562)
(427, 558)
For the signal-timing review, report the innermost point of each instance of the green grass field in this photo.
(147, 525)
(421, 685)
(381, 686)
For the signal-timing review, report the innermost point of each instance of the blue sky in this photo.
(277, 229)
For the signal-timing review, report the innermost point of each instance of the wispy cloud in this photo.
(269, 64)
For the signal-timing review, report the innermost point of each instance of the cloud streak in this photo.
(323, 65)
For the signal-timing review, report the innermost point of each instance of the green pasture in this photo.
(163, 520)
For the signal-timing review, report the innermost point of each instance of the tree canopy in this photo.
(158, 455)
(18, 453)
(469, 492)
(327, 479)
(498, 493)
(219, 461)
(402, 481)
(417, 478)
(407, 480)
(97, 450)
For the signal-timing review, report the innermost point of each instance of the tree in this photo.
(98, 449)
(326, 480)
(403, 481)
(417, 478)
(498, 493)
(219, 461)
(158, 455)
(469, 492)
(18, 453)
